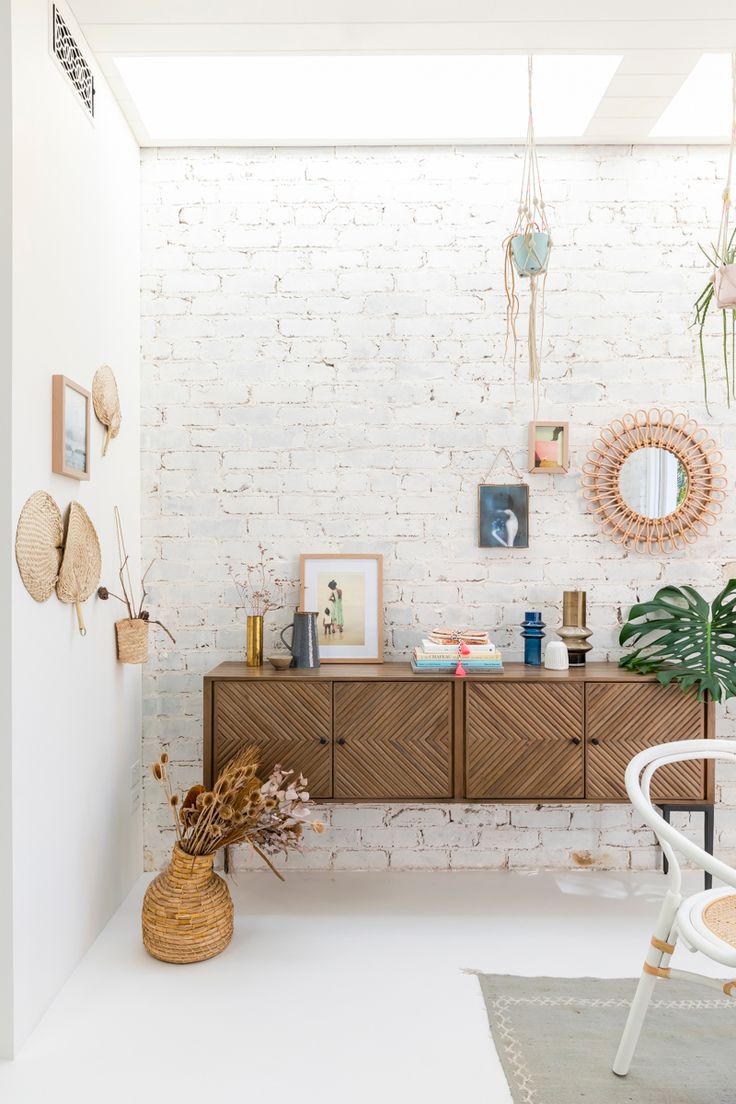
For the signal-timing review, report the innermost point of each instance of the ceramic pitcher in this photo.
(304, 647)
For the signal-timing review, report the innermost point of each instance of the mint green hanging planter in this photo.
(530, 252)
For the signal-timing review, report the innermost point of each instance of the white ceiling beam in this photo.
(308, 38)
(668, 13)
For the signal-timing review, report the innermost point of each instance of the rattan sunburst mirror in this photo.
(655, 480)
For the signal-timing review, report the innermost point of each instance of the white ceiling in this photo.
(660, 41)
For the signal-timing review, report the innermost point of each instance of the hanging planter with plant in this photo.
(526, 256)
(720, 291)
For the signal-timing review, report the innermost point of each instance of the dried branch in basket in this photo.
(136, 612)
(269, 816)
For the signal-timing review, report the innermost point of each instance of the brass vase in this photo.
(254, 640)
(574, 631)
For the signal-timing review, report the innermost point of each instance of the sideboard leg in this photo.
(665, 816)
(709, 823)
(710, 830)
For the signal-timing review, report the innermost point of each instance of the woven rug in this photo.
(556, 1039)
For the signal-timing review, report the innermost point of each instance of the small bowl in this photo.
(280, 662)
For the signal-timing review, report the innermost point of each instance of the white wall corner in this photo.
(75, 306)
(6, 854)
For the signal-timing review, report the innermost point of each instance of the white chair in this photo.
(704, 922)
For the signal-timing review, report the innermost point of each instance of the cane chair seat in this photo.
(707, 923)
(719, 918)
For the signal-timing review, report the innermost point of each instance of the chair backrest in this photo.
(639, 775)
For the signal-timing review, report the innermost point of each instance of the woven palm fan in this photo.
(106, 402)
(81, 564)
(38, 541)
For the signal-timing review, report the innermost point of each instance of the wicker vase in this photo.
(132, 638)
(187, 911)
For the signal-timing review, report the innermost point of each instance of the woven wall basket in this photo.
(187, 911)
(132, 638)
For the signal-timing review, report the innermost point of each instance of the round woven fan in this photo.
(106, 402)
(38, 540)
(81, 563)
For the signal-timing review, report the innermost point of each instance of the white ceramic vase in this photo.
(555, 656)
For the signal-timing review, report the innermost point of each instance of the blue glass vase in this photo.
(533, 630)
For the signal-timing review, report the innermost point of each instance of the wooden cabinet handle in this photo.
(594, 740)
(323, 740)
(576, 740)
(341, 740)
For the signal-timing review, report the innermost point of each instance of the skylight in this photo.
(301, 100)
(701, 108)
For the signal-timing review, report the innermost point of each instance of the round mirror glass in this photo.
(652, 482)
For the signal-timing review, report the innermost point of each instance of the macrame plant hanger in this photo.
(724, 269)
(720, 291)
(726, 296)
(526, 255)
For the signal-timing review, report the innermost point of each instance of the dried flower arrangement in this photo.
(138, 618)
(259, 590)
(269, 816)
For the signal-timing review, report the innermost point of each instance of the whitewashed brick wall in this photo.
(323, 371)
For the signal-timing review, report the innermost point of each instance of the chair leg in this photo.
(656, 959)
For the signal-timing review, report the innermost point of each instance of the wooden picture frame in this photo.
(503, 515)
(349, 629)
(70, 428)
(555, 458)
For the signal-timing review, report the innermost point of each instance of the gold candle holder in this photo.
(254, 640)
(573, 630)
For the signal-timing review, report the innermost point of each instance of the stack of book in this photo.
(440, 651)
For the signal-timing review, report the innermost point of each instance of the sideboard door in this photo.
(524, 741)
(393, 740)
(623, 719)
(290, 723)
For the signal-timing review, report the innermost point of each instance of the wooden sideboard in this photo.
(379, 732)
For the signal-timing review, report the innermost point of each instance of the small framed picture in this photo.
(347, 593)
(70, 452)
(549, 447)
(503, 515)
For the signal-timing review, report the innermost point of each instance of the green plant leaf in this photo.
(683, 639)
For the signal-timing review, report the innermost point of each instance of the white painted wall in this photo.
(76, 711)
(323, 371)
(6, 859)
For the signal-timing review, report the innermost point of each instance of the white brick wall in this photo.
(323, 371)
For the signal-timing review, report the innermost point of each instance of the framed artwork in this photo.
(503, 515)
(70, 451)
(347, 593)
(549, 447)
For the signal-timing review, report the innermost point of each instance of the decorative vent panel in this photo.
(72, 61)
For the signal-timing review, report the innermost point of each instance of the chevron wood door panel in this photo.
(623, 719)
(524, 741)
(291, 725)
(393, 741)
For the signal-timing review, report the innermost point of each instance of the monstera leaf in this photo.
(685, 640)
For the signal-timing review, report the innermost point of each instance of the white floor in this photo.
(336, 988)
